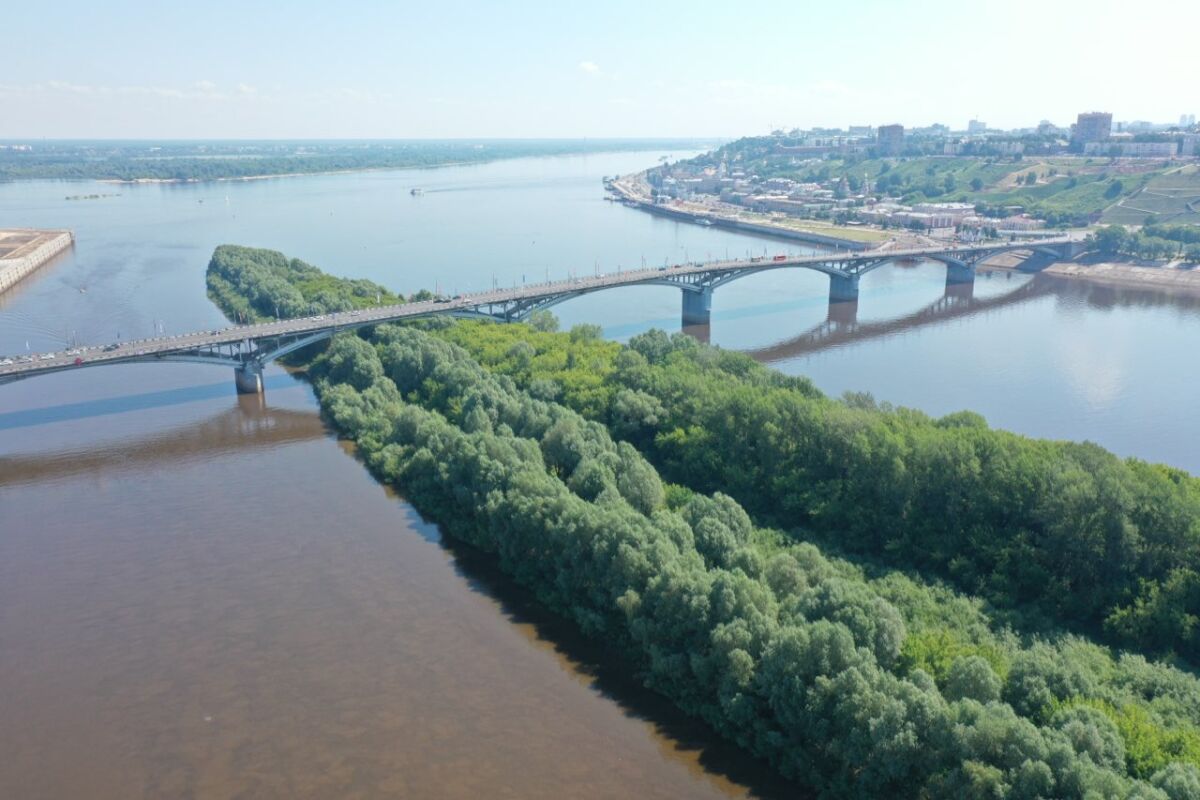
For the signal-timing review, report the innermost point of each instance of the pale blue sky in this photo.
(354, 69)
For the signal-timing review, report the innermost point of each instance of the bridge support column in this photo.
(697, 306)
(843, 288)
(248, 378)
(958, 272)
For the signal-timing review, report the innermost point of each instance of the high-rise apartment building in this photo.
(890, 139)
(1093, 126)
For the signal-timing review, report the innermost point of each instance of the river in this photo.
(207, 595)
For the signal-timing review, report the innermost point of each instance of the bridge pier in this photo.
(697, 306)
(248, 378)
(957, 272)
(843, 288)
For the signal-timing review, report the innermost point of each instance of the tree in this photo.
(974, 678)
(586, 332)
(976, 184)
(1110, 240)
(543, 320)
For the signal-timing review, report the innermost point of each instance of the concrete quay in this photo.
(630, 195)
(23, 250)
(1163, 278)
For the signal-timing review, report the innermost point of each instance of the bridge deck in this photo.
(678, 275)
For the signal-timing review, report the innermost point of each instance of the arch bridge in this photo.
(248, 348)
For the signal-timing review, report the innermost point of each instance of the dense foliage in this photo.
(857, 680)
(1153, 241)
(764, 640)
(201, 161)
(252, 285)
(1085, 537)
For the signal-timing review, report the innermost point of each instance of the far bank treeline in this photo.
(534, 446)
(220, 160)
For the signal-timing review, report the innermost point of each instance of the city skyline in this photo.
(668, 70)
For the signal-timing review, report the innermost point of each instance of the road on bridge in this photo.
(475, 304)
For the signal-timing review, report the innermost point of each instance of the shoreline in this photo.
(628, 195)
(1107, 273)
(308, 173)
(1117, 274)
(1130, 276)
(271, 176)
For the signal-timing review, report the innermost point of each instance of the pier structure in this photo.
(24, 250)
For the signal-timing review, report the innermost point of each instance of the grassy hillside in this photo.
(1065, 190)
(1170, 197)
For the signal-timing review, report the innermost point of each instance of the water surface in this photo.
(206, 595)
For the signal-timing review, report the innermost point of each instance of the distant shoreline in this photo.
(230, 163)
(269, 176)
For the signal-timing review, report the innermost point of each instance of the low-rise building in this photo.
(955, 211)
(1130, 149)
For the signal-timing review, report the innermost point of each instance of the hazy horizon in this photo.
(371, 71)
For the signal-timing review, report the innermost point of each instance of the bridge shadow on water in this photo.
(250, 424)
(131, 402)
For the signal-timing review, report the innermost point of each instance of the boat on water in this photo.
(703, 221)
(416, 192)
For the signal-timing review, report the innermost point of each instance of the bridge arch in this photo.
(249, 347)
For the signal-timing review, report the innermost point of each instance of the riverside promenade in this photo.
(633, 192)
(23, 250)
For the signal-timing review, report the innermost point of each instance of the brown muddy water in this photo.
(230, 606)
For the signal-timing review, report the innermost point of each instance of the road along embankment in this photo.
(24, 250)
(630, 197)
